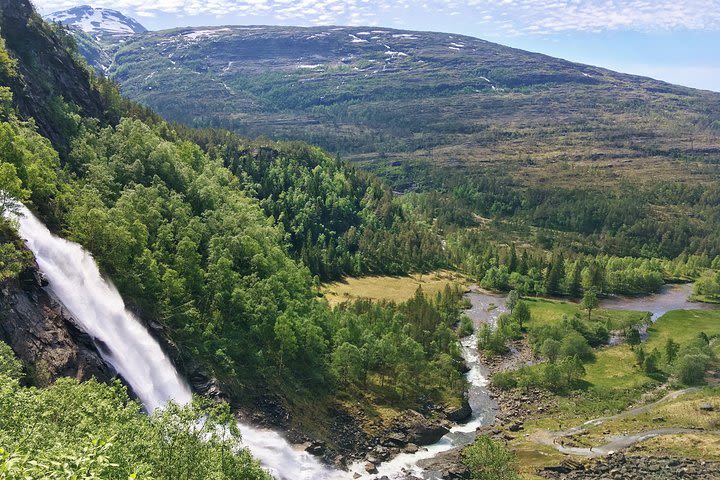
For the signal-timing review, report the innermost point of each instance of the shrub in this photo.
(504, 380)
(466, 326)
(488, 459)
(550, 349)
(575, 345)
(691, 368)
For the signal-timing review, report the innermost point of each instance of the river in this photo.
(670, 297)
(485, 308)
(93, 301)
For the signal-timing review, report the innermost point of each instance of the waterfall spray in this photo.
(95, 304)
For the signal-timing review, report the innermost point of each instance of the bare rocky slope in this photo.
(401, 102)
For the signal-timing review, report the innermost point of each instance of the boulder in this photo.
(395, 439)
(422, 431)
(316, 448)
(447, 465)
(411, 448)
(459, 414)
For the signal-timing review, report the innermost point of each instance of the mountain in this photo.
(97, 21)
(47, 74)
(404, 103)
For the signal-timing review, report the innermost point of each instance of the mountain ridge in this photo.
(99, 21)
(382, 96)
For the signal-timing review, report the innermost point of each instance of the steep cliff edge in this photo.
(43, 335)
(48, 74)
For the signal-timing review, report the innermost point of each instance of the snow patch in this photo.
(194, 35)
(97, 21)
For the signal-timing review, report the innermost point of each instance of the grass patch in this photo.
(682, 412)
(395, 289)
(614, 369)
(700, 446)
(682, 326)
(546, 311)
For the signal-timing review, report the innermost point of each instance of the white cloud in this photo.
(501, 17)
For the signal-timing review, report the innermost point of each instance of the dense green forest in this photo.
(534, 270)
(218, 241)
(92, 430)
(340, 220)
(179, 236)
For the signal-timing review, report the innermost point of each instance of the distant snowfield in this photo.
(97, 20)
(205, 33)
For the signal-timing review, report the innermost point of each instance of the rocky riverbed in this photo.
(624, 467)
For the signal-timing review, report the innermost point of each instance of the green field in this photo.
(545, 311)
(682, 326)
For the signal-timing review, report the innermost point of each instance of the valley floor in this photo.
(672, 430)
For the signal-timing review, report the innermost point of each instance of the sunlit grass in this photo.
(395, 289)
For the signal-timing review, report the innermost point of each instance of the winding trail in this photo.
(617, 442)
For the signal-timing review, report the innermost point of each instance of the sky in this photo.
(673, 40)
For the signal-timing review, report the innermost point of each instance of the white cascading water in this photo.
(125, 344)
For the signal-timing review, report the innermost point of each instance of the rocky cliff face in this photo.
(42, 334)
(46, 72)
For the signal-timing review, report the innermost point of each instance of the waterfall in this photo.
(125, 343)
(95, 304)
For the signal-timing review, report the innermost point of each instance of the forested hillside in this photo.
(589, 159)
(214, 240)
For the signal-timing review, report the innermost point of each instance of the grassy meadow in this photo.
(394, 289)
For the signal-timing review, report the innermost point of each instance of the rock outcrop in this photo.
(415, 428)
(43, 335)
(619, 466)
(446, 465)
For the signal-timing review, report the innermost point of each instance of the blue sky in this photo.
(677, 41)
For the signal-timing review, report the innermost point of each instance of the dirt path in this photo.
(617, 442)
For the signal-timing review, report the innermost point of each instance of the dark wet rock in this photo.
(206, 385)
(44, 335)
(316, 448)
(395, 439)
(273, 411)
(459, 414)
(447, 465)
(422, 431)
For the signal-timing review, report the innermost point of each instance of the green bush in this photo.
(94, 431)
(488, 459)
(691, 368)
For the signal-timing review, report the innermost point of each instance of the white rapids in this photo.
(128, 347)
(124, 342)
